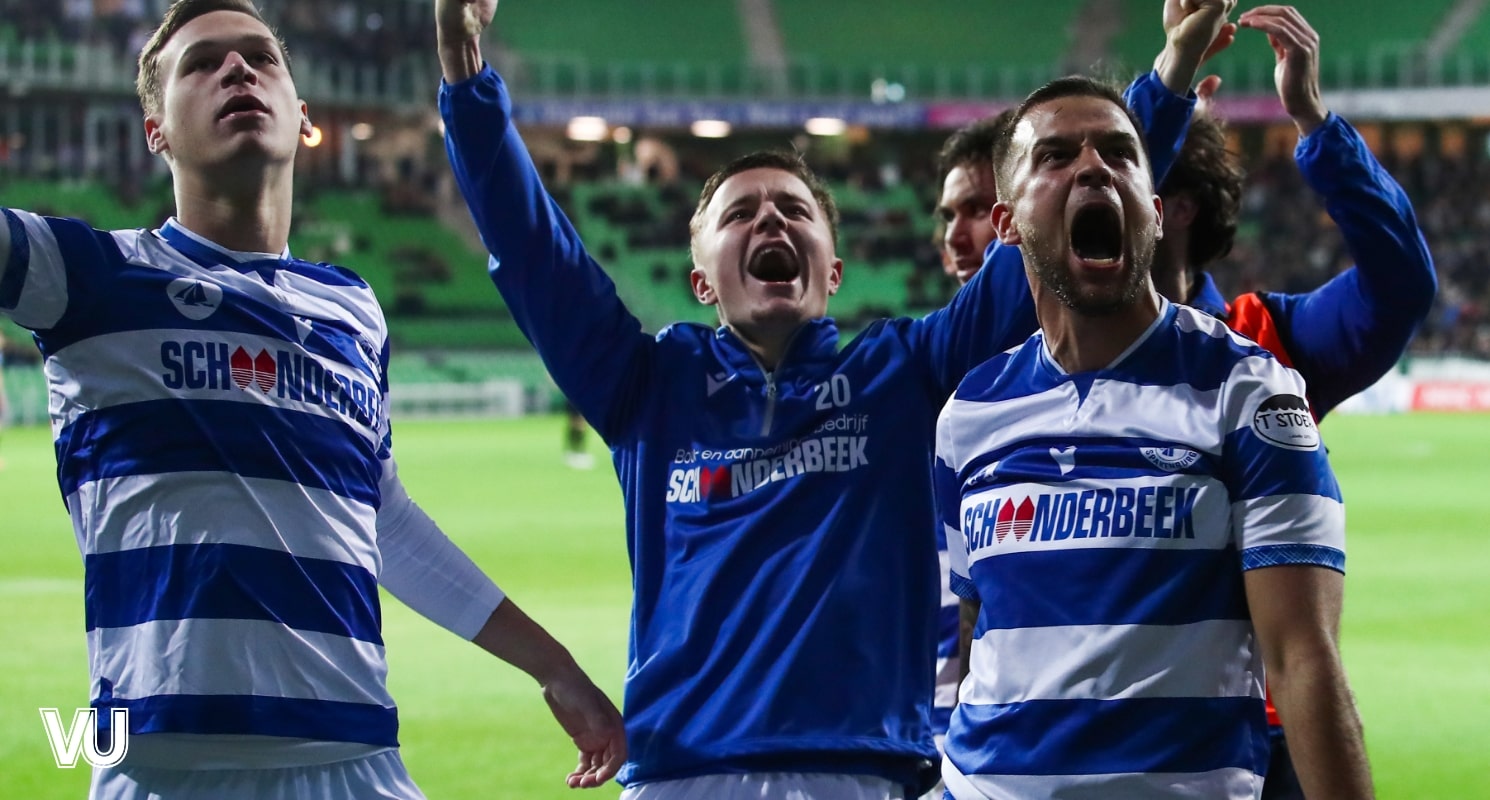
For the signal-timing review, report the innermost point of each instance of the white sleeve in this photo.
(33, 277)
(427, 571)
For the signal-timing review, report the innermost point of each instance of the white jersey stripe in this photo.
(274, 515)
(185, 365)
(1221, 784)
(1147, 668)
(248, 661)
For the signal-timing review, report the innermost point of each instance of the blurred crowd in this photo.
(1288, 243)
(365, 31)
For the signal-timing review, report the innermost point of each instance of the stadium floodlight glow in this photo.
(587, 129)
(710, 128)
(315, 137)
(362, 131)
(826, 126)
(621, 135)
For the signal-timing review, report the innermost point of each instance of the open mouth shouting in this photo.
(243, 105)
(1097, 235)
(774, 263)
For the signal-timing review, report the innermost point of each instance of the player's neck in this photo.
(251, 215)
(1175, 284)
(1085, 342)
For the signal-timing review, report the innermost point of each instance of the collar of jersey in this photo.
(1166, 316)
(815, 341)
(1207, 298)
(208, 254)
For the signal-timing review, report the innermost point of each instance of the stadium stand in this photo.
(981, 49)
(1356, 52)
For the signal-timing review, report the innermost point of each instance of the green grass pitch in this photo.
(1415, 635)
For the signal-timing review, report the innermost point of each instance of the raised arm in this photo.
(430, 574)
(1349, 332)
(560, 298)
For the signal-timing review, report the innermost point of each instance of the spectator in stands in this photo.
(225, 451)
(777, 486)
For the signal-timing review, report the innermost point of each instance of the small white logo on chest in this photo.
(196, 300)
(1065, 459)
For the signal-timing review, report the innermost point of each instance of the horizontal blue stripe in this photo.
(165, 436)
(1096, 737)
(256, 715)
(1275, 555)
(1096, 458)
(1109, 586)
(230, 581)
(1253, 468)
(17, 265)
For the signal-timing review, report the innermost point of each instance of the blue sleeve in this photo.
(989, 315)
(563, 302)
(1165, 117)
(1346, 334)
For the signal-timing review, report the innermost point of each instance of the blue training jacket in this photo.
(779, 525)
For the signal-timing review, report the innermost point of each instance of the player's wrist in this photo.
(460, 58)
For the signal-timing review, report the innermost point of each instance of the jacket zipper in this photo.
(770, 403)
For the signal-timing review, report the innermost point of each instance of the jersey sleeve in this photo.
(561, 299)
(1165, 117)
(949, 512)
(1349, 332)
(33, 273)
(1285, 502)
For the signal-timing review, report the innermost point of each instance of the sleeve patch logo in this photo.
(1284, 420)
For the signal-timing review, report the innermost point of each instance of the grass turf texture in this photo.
(1415, 638)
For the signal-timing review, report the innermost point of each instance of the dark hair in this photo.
(1212, 177)
(1070, 86)
(148, 84)
(791, 163)
(972, 145)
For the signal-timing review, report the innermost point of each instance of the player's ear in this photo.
(305, 126)
(155, 136)
(1158, 217)
(835, 277)
(1003, 224)
(701, 288)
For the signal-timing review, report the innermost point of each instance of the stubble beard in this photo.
(1048, 259)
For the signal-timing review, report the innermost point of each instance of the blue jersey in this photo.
(221, 444)
(779, 523)
(1104, 520)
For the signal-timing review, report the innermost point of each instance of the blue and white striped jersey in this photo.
(223, 449)
(1105, 520)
